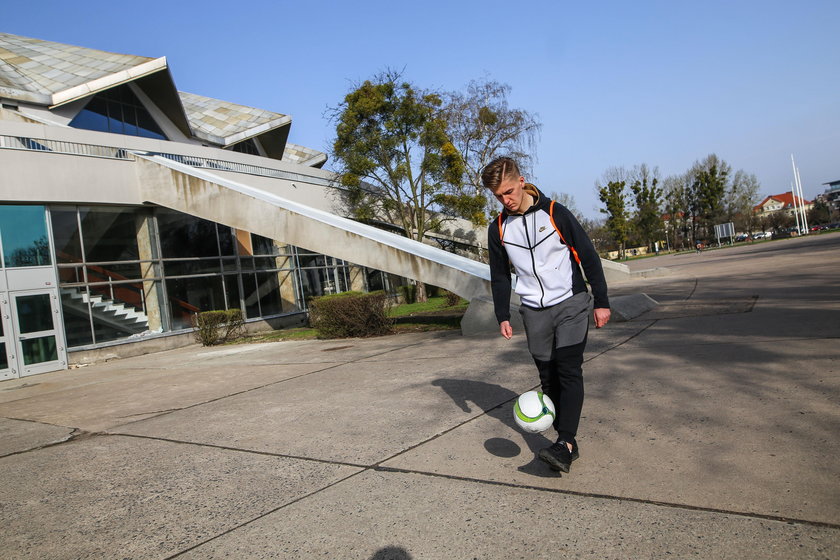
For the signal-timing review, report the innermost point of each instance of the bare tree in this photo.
(482, 126)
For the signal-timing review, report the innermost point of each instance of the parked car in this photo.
(742, 237)
(762, 235)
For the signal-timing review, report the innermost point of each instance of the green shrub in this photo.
(452, 298)
(350, 314)
(216, 327)
(409, 292)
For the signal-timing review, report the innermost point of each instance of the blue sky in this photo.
(615, 83)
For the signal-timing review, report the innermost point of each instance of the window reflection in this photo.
(23, 230)
(118, 110)
(128, 271)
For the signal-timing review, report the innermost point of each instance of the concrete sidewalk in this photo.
(710, 429)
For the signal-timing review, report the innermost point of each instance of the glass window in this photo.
(246, 147)
(76, 316)
(110, 234)
(38, 350)
(263, 245)
(188, 296)
(231, 282)
(269, 290)
(23, 231)
(251, 296)
(34, 313)
(184, 268)
(113, 272)
(4, 359)
(227, 241)
(184, 236)
(65, 230)
(119, 111)
(266, 263)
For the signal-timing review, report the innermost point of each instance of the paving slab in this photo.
(359, 412)
(681, 432)
(17, 436)
(139, 393)
(404, 516)
(120, 497)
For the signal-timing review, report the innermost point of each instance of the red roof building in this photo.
(781, 202)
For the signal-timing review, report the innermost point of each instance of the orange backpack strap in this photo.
(501, 233)
(557, 229)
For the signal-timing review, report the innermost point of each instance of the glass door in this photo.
(39, 346)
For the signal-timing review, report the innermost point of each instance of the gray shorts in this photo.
(564, 324)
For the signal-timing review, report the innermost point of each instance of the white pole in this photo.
(795, 209)
(794, 192)
(802, 201)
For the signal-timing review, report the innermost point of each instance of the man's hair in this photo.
(498, 170)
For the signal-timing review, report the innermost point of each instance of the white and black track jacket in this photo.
(547, 247)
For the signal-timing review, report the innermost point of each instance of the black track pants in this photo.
(562, 380)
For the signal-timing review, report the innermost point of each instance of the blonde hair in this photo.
(498, 170)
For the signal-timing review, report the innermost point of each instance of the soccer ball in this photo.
(533, 412)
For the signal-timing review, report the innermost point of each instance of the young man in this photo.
(547, 247)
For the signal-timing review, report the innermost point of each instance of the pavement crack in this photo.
(75, 435)
(658, 503)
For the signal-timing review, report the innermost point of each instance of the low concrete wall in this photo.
(170, 341)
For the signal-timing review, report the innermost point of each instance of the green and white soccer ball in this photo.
(533, 412)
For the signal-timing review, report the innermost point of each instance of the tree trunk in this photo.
(420, 294)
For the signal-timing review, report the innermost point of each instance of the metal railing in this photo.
(248, 169)
(93, 150)
(63, 147)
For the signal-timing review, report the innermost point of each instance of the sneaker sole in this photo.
(553, 463)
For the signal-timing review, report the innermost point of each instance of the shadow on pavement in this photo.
(497, 402)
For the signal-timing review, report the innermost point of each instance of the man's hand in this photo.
(602, 316)
(507, 330)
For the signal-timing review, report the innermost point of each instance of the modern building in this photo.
(831, 196)
(111, 229)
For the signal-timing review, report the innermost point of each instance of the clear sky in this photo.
(615, 83)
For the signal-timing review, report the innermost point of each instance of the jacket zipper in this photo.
(533, 260)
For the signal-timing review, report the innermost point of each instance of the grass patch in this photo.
(433, 315)
(298, 333)
(435, 304)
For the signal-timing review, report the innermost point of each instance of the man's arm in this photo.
(589, 258)
(500, 283)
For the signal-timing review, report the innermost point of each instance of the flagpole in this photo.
(802, 202)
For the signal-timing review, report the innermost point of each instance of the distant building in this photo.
(781, 203)
(831, 196)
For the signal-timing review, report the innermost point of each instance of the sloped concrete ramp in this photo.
(207, 195)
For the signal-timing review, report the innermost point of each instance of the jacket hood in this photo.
(534, 192)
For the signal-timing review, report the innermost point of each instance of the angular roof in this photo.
(53, 74)
(786, 199)
(48, 73)
(227, 123)
(304, 156)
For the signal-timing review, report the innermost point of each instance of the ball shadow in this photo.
(497, 402)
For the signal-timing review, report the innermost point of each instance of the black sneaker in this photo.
(575, 451)
(558, 456)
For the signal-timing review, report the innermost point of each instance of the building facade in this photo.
(785, 202)
(88, 262)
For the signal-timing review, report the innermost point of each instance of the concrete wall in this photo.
(53, 177)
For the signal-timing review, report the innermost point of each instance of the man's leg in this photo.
(562, 381)
(567, 387)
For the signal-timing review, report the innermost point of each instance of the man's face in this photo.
(511, 194)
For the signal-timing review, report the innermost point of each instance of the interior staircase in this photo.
(105, 311)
